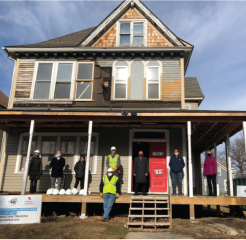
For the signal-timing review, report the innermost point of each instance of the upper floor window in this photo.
(153, 81)
(131, 33)
(121, 79)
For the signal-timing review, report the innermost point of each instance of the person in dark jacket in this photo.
(176, 164)
(35, 171)
(79, 169)
(109, 190)
(140, 171)
(57, 164)
(210, 170)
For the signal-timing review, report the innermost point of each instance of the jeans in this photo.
(33, 186)
(81, 180)
(143, 186)
(53, 181)
(212, 178)
(178, 175)
(108, 201)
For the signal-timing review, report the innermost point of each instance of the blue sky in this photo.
(216, 29)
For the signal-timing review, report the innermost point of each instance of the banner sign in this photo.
(241, 191)
(20, 209)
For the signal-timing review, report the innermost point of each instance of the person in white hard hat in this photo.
(35, 171)
(113, 161)
(109, 190)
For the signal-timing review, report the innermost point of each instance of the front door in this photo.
(158, 167)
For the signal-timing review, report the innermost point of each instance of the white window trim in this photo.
(147, 84)
(225, 184)
(53, 80)
(219, 171)
(127, 67)
(58, 135)
(131, 21)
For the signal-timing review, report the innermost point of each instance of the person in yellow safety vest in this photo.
(113, 161)
(109, 190)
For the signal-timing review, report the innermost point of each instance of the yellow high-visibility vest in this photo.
(113, 161)
(109, 186)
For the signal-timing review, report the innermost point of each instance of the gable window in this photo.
(131, 33)
(84, 80)
(63, 81)
(120, 86)
(153, 82)
(43, 81)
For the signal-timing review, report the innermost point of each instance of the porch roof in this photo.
(208, 127)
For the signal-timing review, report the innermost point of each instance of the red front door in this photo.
(158, 167)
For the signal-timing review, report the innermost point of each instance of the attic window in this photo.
(131, 33)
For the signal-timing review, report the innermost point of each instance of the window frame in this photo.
(219, 171)
(132, 21)
(53, 81)
(147, 83)
(58, 146)
(84, 80)
(225, 185)
(127, 70)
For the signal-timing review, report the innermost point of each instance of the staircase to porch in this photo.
(150, 211)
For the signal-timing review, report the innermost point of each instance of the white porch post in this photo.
(244, 133)
(190, 159)
(228, 147)
(185, 160)
(217, 182)
(88, 158)
(23, 190)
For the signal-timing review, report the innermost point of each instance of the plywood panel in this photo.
(171, 91)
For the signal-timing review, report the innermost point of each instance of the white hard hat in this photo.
(68, 192)
(113, 148)
(110, 170)
(49, 192)
(74, 191)
(81, 192)
(55, 192)
(36, 151)
(62, 192)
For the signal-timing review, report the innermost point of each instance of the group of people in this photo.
(110, 186)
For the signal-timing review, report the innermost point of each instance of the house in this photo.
(222, 173)
(127, 76)
(3, 105)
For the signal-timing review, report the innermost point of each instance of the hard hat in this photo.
(110, 170)
(68, 192)
(49, 192)
(36, 151)
(74, 191)
(113, 148)
(55, 192)
(81, 192)
(62, 192)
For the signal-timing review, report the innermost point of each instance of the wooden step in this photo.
(149, 224)
(150, 216)
(149, 202)
(149, 208)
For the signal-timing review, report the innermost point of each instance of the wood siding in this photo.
(132, 14)
(24, 78)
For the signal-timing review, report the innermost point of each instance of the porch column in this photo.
(190, 159)
(88, 159)
(217, 182)
(229, 172)
(23, 190)
(185, 160)
(244, 133)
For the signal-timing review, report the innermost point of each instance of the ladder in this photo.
(150, 211)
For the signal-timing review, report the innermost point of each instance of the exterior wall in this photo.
(192, 105)
(107, 138)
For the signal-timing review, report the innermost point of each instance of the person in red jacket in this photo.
(210, 170)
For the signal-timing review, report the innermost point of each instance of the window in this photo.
(63, 81)
(131, 33)
(153, 82)
(68, 151)
(225, 185)
(43, 81)
(24, 150)
(84, 80)
(121, 76)
(219, 171)
(48, 150)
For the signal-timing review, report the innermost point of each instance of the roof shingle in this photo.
(192, 88)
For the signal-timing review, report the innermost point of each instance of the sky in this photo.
(216, 29)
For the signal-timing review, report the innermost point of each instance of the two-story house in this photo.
(127, 75)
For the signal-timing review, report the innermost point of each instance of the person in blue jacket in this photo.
(176, 164)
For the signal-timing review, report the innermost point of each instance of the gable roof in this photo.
(69, 40)
(192, 88)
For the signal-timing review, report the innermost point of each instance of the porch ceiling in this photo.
(208, 127)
